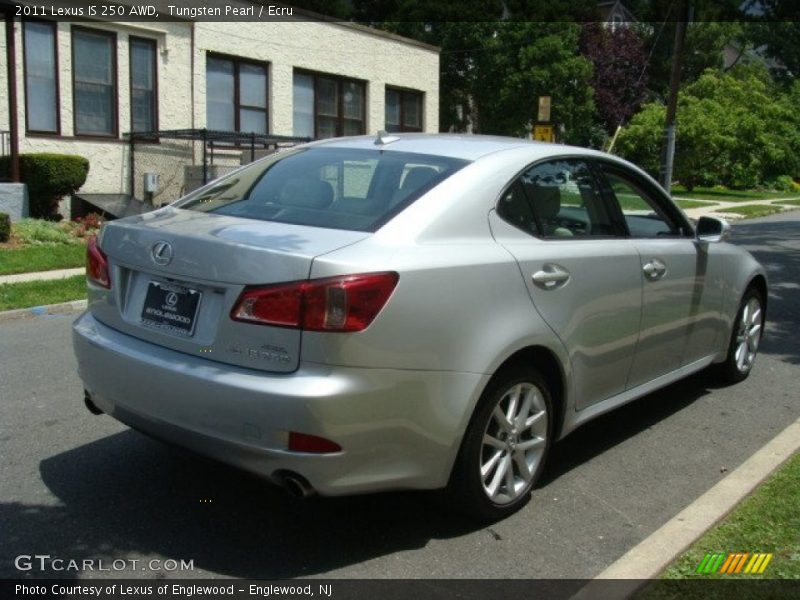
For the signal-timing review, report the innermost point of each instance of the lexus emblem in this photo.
(161, 253)
(172, 299)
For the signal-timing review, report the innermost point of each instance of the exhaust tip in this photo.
(90, 405)
(295, 485)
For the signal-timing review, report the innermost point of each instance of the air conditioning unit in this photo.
(151, 183)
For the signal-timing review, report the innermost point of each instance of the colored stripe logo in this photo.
(734, 562)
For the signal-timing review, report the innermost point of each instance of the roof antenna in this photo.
(384, 138)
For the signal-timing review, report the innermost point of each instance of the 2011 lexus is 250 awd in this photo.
(412, 311)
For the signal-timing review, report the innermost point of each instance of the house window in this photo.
(403, 110)
(144, 90)
(327, 106)
(41, 77)
(236, 95)
(94, 86)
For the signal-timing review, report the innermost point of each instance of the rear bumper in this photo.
(398, 428)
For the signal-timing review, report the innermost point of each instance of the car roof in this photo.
(462, 146)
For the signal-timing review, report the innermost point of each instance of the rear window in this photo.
(339, 188)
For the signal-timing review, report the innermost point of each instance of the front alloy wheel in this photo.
(748, 334)
(745, 339)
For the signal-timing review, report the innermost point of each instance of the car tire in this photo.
(505, 446)
(745, 338)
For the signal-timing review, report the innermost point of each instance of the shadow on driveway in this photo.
(128, 495)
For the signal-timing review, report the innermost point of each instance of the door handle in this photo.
(654, 269)
(551, 276)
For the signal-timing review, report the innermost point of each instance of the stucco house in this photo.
(81, 87)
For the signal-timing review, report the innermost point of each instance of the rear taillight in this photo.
(345, 303)
(97, 264)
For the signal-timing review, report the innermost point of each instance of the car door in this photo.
(583, 275)
(681, 280)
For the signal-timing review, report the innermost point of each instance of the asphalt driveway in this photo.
(76, 486)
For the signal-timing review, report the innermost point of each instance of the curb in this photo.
(651, 556)
(62, 308)
(42, 275)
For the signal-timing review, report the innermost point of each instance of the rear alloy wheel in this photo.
(505, 445)
(745, 338)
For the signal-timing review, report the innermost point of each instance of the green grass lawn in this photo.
(788, 202)
(731, 195)
(38, 293)
(767, 521)
(752, 210)
(41, 257)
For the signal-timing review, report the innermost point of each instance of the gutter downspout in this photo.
(13, 129)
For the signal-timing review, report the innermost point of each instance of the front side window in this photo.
(642, 214)
(41, 77)
(335, 188)
(143, 84)
(326, 106)
(236, 95)
(94, 82)
(558, 199)
(403, 110)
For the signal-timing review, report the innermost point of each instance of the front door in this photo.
(681, 282)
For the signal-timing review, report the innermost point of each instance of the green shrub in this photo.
(37, 231)
(784, 183)
(49, 177)
(5, 227)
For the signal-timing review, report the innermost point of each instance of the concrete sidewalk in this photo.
(716, 208)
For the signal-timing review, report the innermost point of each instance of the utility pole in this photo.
(672, 102)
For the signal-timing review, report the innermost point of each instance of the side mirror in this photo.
(711, 229)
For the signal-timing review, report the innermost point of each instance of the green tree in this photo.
(732, 129)
(519, 62)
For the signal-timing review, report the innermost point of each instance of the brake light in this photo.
(344, 303)
(97, 265)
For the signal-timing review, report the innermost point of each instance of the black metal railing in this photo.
(171, 150)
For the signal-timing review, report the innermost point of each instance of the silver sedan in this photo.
(409, 311)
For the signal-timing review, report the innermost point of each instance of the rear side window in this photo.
(338, 188)
(558, 199)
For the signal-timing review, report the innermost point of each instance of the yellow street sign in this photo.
(544, 133)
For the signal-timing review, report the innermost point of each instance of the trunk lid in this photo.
(176, 275)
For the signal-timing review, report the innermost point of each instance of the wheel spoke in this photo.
(529, 444)
(741, 356)
(532, 420)
(527, 403)
(488, 440)
(510, 487)
(491, 464)
(501, 418)
(522, 464)
(756, 316)
(754, 330)
(513, 403)
(499, 474)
